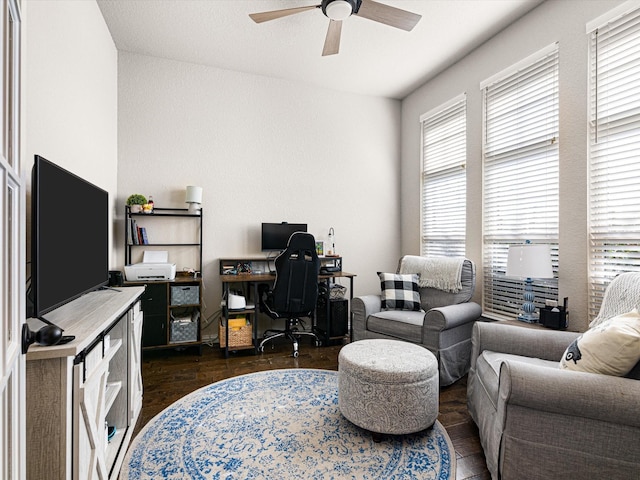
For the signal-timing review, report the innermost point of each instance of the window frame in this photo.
(443, 184)
(613, 132)
(514, 143)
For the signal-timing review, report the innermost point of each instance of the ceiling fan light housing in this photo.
(339, 9)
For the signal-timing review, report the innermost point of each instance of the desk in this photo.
(252, 280)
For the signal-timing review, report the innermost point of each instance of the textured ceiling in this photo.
(374, 59)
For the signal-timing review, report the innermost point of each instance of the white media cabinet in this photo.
(75, 391)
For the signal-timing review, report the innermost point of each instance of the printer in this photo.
(155, 266)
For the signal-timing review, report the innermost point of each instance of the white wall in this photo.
(246, 139)
(264, 150)
(562, 21)
(71, 93)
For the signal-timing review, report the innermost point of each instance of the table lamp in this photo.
(331, 249)
(194, 198)
(529, 261)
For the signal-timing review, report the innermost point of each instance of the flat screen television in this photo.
(69, 237)
(275, 236)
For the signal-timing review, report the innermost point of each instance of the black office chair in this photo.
(295, 290)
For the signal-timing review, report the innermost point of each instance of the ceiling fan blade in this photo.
(275, 14)
(332, 41)
(395, 17)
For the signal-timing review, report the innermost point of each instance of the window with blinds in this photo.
(614, 153)
(444, 179)
(520, 191)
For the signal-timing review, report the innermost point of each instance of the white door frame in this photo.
(12, 250)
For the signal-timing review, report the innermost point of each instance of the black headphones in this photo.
(48, 335)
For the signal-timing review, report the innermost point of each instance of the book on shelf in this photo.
(138, 236)
(133, 232)
(143, 235)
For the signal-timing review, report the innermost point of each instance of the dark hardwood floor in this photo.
(170, 374)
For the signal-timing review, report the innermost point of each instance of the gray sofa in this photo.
(539, 422)
(444, 326)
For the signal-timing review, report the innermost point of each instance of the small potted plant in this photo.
(136, 201)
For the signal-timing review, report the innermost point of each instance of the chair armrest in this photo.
(529, 342)
(450, 316)
(361, 308)
(576, 394)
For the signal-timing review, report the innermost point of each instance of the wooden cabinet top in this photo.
(86, 318)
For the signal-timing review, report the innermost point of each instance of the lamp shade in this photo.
(193, 195)
(529, 261)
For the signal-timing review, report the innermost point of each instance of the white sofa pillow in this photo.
(611, 348)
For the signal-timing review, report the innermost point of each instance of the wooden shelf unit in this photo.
(159, 311)
(157, 305)
(161, 215)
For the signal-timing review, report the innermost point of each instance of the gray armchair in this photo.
(539, 422)
(443, 327)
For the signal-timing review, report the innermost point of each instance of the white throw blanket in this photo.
(443, 273)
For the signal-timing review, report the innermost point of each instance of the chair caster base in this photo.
(294, 335)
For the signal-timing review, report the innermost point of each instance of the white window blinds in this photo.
(614, 153)
(520, 159)
(444, 180)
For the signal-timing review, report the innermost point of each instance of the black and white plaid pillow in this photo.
(399, 292)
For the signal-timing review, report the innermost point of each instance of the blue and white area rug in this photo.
(278, 424)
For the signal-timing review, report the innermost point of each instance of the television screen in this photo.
(70, 237)
(275, 236)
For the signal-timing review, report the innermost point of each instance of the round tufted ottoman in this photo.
(388, 386)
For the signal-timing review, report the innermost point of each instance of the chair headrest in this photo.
(301, 240)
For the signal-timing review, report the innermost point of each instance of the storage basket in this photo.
(185, 295)
(184, 329)
(238, 336)
(337, 291)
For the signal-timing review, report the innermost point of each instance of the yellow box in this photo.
(237, 323)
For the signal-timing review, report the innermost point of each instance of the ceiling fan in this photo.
(338, 10)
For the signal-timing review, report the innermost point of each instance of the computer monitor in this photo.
(275, 236)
